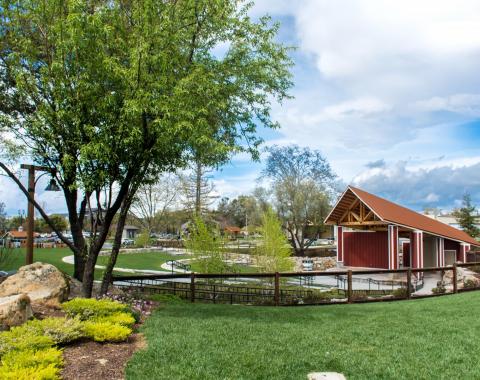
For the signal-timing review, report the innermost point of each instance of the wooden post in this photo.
(277, 289)
(192, 287)
(30, 216)
(454, 278)
(349, 286)
(409, 283)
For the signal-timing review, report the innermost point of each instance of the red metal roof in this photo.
(392, 213)
(233, 229)
(15, 234)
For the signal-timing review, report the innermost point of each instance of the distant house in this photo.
(451, 220)
(18, 238)
(232, 231)
(130, 232)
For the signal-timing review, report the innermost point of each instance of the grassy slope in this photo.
(422, 339)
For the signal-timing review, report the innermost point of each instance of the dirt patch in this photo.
(92, 360)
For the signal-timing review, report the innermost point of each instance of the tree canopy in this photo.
(302, 185)
(110, 93)
(467, 216)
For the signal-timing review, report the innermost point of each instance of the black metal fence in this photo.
(309, 288)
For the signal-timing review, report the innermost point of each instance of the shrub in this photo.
(440, 289)
(124, 319)
(50, 372)
(86, 308)
(60, 330)
(469, 284)
(106, 331)
(23, 338)
(400, 293)
(166, 298)
(31, 364)
(32, 358)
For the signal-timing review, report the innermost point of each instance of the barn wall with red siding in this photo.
(365, 249)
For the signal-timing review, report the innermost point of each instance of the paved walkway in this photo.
(70, 260)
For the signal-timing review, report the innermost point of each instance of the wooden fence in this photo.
(294, 288)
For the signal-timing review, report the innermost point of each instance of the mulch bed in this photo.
(92, 360)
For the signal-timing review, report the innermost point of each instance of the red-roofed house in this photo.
(19, 237)
(373, 232)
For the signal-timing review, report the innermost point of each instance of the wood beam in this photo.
(365, 223)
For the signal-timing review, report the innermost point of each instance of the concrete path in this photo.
(70, 260)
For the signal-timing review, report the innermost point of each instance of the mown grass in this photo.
(54, 256)
(422, 339)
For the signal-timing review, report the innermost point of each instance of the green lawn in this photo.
(147, 260)
(46, 255)
(422, 339)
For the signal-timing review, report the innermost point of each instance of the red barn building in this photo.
(375, 233)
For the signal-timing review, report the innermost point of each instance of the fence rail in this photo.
(305, 288)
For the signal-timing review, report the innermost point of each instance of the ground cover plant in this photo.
(33, 350)
(422, 339)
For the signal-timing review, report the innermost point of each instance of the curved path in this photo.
(70, 260)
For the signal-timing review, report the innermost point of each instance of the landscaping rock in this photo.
(326, 376)
(464, 275)
(319, 263)
(14, 310)
(42, 282)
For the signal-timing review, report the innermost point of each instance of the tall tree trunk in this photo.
(117, 243)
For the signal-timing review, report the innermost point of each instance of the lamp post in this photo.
(52, 186)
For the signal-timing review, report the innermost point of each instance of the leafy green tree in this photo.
(240, 211)
(3, 218)
(59, 222)
(467, 216)
(302, 184)
(273, 255)
(113, 93)
(206, 248)
(142, 240)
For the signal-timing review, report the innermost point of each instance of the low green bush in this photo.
(32, 358)
(400, 293)
(123, 319)
(87, 308)
(469, 284)
(60, 330)
(106, 331)
(23, 338)
(166, 298)
(50, 372)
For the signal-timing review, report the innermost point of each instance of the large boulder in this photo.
(14, 310)
(42, 282)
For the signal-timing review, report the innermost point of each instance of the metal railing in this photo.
(305, 288)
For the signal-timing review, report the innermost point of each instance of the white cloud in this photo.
(441, 186)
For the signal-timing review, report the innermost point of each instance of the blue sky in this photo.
(389, 91)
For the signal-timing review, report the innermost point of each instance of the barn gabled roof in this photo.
(391, 213)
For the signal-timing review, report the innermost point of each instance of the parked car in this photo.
(127, 242)
(307, 265)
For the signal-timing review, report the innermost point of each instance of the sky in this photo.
(388, 91)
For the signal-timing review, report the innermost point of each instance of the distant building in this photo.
(373, 232)
(450, 220)
(232, 231)
(130, 232)
(18, 238)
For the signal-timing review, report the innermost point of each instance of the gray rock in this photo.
(14, 310)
